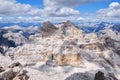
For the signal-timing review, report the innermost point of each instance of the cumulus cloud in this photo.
(63, 19)
(13, 8)
(67, 3)
(67, 12)
(113, 11)
(57, 9)
(63, 7)
(52, 8)
(114, 5)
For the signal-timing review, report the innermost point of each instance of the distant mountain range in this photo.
(22, 24)
(86, 27)
(96, 27)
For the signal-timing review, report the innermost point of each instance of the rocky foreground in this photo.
(59, 52)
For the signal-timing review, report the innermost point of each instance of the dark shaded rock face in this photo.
(99, 76)
(1, 50)
(110, 43)
(111, 77)
(1, 70)
(10, 74)
(79, 76)
(5, 42)
(15, 65)
(1, 79)
(92, 46)
(23, 75)
(47, 29)
(116, 27)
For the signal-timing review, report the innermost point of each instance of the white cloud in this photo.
(113, 11)
(67, 3)
(63, 19)
(28, 19)
(53, 10)
(1, 18)
(114, 5)
(80, 19)
(13, 8)
(67, 11)
(63, 7)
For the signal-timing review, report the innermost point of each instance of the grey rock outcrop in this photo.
(47, 29)
(99, 76)
(7, 74)
(79, 76)
(112, 44)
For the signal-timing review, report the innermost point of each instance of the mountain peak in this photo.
(69, 24)
(65, 29)
(47, 29)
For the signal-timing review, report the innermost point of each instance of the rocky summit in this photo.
(47, 29)
(59, 52)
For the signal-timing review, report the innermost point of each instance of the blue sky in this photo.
(59, 10)
(36, 3)
(92, 7)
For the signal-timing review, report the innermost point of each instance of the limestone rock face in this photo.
(1, 69)
(4, 61)
(17, 38)
(47, 29)
(58, 51)
(111, 43)
(69, 29)
(79, 76)
(67, 59)
(11, 74)
(7, 75)
(10, 39)
(100, 76)
(42, 47)
(111, 30)
(91, 38)
(5, 43)
(63, 40)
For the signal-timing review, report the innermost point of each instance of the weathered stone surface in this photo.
(17, 64)
(79, 76)
(47, 29)
(99, 76)
(67, 59)
(58, 51)
(4, 61)
(1, 69)
(22, 75)
(7, 74)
